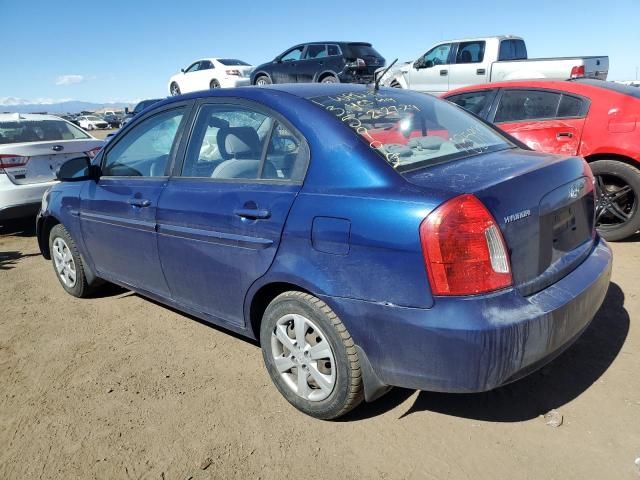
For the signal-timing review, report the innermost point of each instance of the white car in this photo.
(91, 122)
(32, 147)
(211, 73)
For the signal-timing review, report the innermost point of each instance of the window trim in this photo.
(188, 112)
(586, 104)
(189, 130)
(187, 70)
(302, 54)
(339, 54)
(306, 51)
(450, 56)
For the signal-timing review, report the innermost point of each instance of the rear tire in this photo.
(617, 199)
(263, 80)
(214, 84)
(319, 373)
(67, 262)
(329, 79)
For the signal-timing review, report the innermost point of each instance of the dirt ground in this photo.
(120, 387)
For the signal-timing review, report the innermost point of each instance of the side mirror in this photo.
(428, 64)
(278, 60)
(182, 70)
(419, 63)
(77, 170)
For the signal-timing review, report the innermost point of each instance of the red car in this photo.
(597, 120)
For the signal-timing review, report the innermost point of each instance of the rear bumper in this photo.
(20, 200)
(474, 344)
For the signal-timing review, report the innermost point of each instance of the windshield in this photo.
(39, 131)
(232, 62)
(93, 118)
(412, 130)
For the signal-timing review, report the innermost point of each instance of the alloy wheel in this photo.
(616, 201)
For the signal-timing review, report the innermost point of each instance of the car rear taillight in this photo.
(10, 161)
(93, 152)
(233, 72)
(463, 249)
(357, 63)
(577, 71)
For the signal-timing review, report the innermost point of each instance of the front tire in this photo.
(67, 262)
(263, 80)
(174, 90)
(617, 199)
(311, 356)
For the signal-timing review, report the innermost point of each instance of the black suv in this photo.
(325, 62)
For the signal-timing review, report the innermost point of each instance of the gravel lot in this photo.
(120, 387)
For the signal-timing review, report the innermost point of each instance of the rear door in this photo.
(312, 62)
(430, 73)
(469, 67)
(545, 120)
(221, 215)
(118, 212)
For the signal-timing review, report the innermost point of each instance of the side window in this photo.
(517, 105)
(571, 107)
(144, 151)
(205, 65)
(474, 102)
(234, 142)
(512, 50)
(293, 54)
(193, 68)
(470, 52)
(315, 51)
(438, 55)
(333, 50)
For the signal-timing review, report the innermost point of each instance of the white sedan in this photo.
(211, 73)
(91, 122)
(32, 147)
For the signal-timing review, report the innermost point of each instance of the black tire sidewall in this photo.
(214, 84)
(80, 288)
(332, 405)
(631, 176)
(266, 79)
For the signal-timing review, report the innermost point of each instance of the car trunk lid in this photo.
(544, 206)
(40, 160)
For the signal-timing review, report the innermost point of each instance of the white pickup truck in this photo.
(458, 63)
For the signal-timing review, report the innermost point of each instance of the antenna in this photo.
(376, 84)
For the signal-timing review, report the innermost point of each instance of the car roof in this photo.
(578, 86)
(14, 117)
(477, 39)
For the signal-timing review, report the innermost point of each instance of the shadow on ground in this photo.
(9, 260)
(558, 383)
(23, 227)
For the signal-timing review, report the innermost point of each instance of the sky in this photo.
(126, 50)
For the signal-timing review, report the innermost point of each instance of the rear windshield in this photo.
(39, 131)
(411, 130)
(615, 87)
(232, 62)
(361, 50)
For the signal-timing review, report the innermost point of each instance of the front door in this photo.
(221, 216)
(118, 212)
(285, 69)
(544, 120)
(430, 73)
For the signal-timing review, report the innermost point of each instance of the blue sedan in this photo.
(367, 238)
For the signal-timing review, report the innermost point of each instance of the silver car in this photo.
(32, 147)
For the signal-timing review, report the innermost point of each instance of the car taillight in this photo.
(577, 71)
(93, 152)
(9, 161)
(233, 72)
(463, 249)
(357, 63)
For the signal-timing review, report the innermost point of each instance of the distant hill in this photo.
(72, 106)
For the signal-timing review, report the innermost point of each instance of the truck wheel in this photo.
(310, 356)
(617, 197)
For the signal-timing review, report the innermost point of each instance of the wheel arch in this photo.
(326, 73)
(45, 224)
(613, 156)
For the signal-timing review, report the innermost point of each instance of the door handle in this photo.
(139, 202)
(481, 71)
(564, 135)
(443, 73)
(252, 213)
